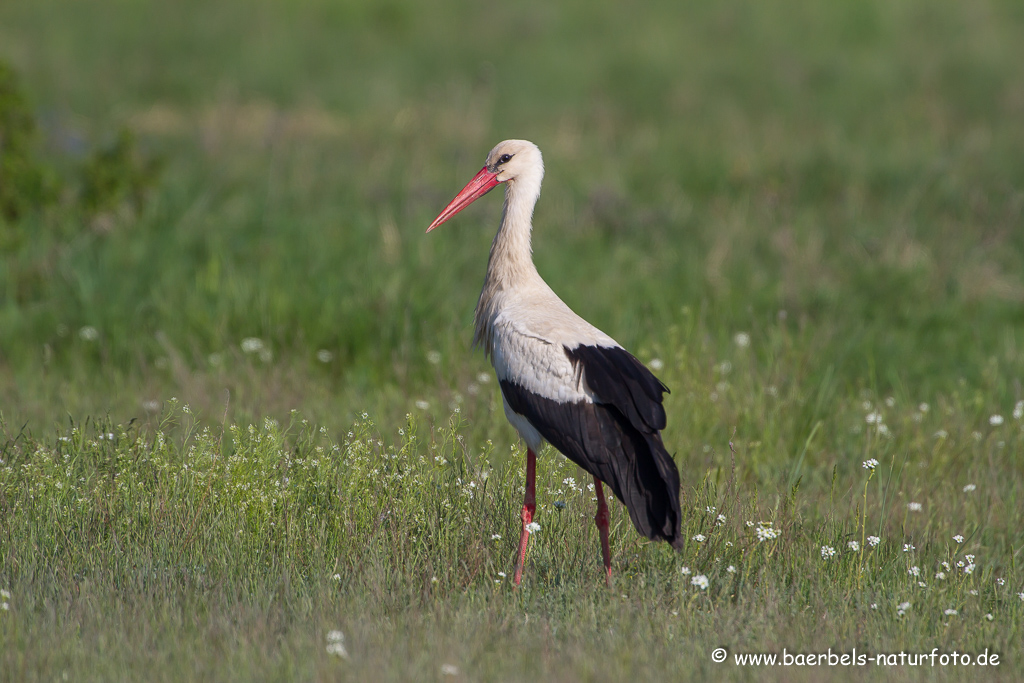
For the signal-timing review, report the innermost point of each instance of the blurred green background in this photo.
(843, 181)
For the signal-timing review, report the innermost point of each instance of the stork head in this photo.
(512, 161)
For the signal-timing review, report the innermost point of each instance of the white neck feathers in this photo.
(511, 260)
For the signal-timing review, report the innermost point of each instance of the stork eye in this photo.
(504, 158)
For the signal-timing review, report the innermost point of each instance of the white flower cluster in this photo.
(336, 644)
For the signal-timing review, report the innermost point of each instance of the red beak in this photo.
(482, 183)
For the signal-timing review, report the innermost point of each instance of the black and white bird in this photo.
(563, 380)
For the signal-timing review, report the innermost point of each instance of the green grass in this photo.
(842, 182)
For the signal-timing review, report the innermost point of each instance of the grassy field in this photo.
(244, 414)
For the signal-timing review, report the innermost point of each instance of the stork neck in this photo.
(511, 258)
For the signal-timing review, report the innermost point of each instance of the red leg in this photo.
(601, 520)
(529, 506)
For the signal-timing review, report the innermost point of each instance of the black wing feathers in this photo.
(617, 439)
(616, 377)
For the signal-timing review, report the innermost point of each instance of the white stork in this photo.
(563, 380)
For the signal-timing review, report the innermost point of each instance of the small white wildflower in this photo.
(922, 584)
(873, 418)
(721, 520)
(434, 579)
(1018, 410)
(969, 569)
(324, 356)
(995, 420)
(434, 357)
(923, 407)
(1000, 581)
(422, 405)
(890, 401)
(870, 464)
(941, 434)
(684, 571)
(1021, 596)
(989, 616)
(945, 564)
(873, 541)
(874, 605)
(827, 551)
(958, 538)
(914, 571)
(700, 538)
(495, 537)
(749, 524)
(908, 548)
(914, 507)
(973, 591)
(969, 487)
(731, 569)
(89, 333)
(252, 345)
(533, 527)
(656, 364)
(766, 533)
(336, 644)
(742, 340)
(940, 575)
(336, 577)
(710, 510)
(700, 581)
(449, 670)
(950, 613)
(969, 558)
(853, 545)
